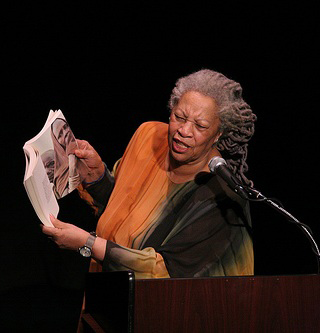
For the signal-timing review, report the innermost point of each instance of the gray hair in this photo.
(236, 117)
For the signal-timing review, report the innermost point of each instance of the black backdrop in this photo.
(108, 70)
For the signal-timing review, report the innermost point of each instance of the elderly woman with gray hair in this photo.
(161, 212)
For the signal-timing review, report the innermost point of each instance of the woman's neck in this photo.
(181, 173)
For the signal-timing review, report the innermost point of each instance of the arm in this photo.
(97, 194)
(98, 182)
(145, 263)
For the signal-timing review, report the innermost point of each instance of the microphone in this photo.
(218, 166)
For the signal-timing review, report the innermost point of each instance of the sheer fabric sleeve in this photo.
(146, 263)
(213, 241)
(97, 195)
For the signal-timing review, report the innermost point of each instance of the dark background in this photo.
(110, 68)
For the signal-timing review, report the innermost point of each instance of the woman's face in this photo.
(193, 128)
(62, 132)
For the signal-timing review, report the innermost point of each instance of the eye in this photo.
(202, 127)
(179, 117)
(60, 134)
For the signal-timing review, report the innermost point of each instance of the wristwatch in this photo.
(86, 249)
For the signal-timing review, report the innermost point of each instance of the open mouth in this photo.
(179, 146)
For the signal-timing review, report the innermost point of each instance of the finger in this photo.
(83, 153)
(49, 231)
(82, 144)
(57, 223)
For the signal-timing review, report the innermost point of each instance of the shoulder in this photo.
(152, 127)
(150, 138)
(152, 131)
(212, 187)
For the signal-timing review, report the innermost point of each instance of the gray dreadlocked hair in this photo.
(236, 117)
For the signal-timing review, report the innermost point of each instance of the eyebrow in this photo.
(196, 120)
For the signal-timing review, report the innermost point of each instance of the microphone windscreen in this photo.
(215, 162)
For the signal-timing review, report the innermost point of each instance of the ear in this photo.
(217, 138)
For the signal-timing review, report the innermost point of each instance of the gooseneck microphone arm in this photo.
(254, 195)
(218, 166)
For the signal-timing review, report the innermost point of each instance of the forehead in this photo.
(58, 125)
(195, 102)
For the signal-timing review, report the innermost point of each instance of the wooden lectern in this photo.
(116, 302)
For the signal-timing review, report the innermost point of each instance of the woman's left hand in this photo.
(66, 235)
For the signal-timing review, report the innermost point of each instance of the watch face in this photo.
(85, 251)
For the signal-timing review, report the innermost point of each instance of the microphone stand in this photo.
(254, 195)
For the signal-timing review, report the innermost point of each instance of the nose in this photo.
(185, 130)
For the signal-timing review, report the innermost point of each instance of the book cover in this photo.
(52, 169)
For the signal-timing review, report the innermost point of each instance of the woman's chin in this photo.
(178, 157)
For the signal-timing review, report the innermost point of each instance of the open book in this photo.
(52, 169)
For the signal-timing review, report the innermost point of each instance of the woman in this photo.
(162, 213)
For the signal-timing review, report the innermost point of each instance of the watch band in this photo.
(86, 249)
(91, 239)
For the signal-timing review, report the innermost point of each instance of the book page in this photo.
(41, 194)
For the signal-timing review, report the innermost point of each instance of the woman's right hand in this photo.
(94, 162)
